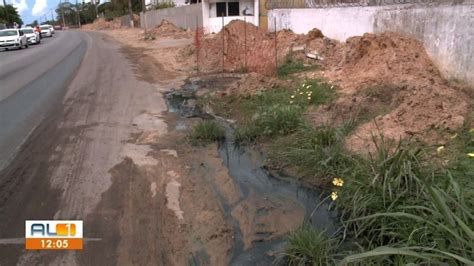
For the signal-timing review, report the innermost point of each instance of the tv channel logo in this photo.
(53, 234)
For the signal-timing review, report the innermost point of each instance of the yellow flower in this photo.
(309, 98)
(292, 96)
(439, 149)
(334, 195)
(301, 93)
(454, 136)
(291, 102)
(309, 86)
(471, 154)
(338, 182)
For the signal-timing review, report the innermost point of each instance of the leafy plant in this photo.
(277, 120)
(308, 246)
(205, 132)
(317, 152)
(292, 66)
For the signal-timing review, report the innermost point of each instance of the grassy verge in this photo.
(280, 112)
(205, 132)
(395, 207)
(292, 66)
(307, 246)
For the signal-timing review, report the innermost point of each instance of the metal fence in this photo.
(274, 4)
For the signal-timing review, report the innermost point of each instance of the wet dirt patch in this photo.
(262, 209)
(146, 67)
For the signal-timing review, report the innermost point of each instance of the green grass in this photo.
(307, 246)
(279, 112)
(292, 66)
(315, 152)
(163, 5)
(393, 205)
(205, 132)
(277, 120)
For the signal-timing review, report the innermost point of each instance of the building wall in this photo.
(185, 17)
(213, 24)
(446, 30)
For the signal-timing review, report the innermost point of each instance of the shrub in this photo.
(163, 5)
(205, 132)
(277, 120)
(307, 246)
(292, 66)
(315, 152)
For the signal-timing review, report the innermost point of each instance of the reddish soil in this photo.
(387, 79)
(168, 29)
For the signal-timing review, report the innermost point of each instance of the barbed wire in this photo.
(274, 4)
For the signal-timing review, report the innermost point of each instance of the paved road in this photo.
(67, 167)
(32, 81)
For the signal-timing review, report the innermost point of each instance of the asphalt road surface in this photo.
(31, 82)
(67, 110)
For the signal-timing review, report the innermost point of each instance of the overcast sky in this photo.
(35, 9)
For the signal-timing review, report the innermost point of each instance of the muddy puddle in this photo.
(265, 208)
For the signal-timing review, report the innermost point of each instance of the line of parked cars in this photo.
(22, 38)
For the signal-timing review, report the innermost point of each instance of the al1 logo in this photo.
(53, 234)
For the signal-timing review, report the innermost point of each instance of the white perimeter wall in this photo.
(447, 30)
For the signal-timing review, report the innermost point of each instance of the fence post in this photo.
(197, 44)
(245, 43)
(276, 45)
(223, 43)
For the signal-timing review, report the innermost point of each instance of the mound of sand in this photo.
(241, 44)
(389, 77)
(103, 24)
(387, 58)
(168, 29)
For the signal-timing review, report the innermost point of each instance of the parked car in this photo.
(13, 38)
(46, 31)
(50, 26)
(32, 36)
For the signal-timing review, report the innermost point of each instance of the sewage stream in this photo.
(258, 188)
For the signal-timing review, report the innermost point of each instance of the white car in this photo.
(32, 36)
(46, 31)
(12, 38)
(50, 26)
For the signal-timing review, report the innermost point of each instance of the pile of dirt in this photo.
(386, 58)
(389, 79)
(168, 29)
(103, 24)
(115, 23)
(243, 46)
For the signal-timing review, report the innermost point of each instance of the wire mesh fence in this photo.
(274, 4)
(238, 47)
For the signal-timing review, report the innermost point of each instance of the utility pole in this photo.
(130, 12)
(78, 15)
(144, 16)
(6, 13)
(62, 13)
(52, 17)
(96, 9)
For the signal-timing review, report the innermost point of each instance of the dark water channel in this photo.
(246, 169)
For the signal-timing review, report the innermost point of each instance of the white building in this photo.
(218, 13)
(212, 15)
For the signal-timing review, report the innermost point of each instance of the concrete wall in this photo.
(213, 24)
(447, 30)
(183, 16)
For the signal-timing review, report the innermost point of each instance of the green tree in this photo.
(9, 15)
